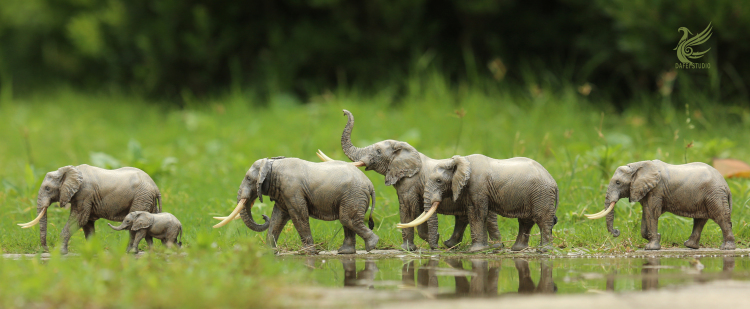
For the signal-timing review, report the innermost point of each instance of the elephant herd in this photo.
(474, 189)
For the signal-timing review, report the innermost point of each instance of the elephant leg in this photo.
(301, 220)
(695, 237)
(458, 232)
(407, 274)
(545, 229)
(140, 234)
(524, 229)
(131, 239)
(492, 229)
(477, 218)
(525, 283)
(355, 224)
(478, 284)
(279, 218)
(644, 227)
(651, 218)
(408, 209)
(65, 234)
(349, 241)
(725, 223)
(89, 230)
(150, 241)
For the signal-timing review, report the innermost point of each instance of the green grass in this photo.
(198, 156)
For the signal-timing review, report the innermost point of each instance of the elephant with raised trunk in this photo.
(301, 189)
(405, 168)
(513, 188)
(693, 190)
(93, 193)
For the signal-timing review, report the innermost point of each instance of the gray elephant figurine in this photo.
(513, 188)
(405, 168)
(93, 193)
(325, 191)
(162, 226)
(693, 190)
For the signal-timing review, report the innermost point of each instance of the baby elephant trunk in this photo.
(118, 228)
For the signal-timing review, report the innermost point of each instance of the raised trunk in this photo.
(247, 216)
(42, 224)
(611, 219)
(352, 152)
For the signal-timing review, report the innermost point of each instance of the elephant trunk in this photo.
(611, 217)
(247, 217)
(118, 228)
(352, 152)
(42, 207)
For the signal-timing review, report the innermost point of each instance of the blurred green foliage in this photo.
(181, 49)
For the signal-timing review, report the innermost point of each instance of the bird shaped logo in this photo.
(685, 46)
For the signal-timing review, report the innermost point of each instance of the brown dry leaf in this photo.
(731, 168)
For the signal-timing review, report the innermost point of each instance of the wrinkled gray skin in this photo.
(326, 191)
(95, 193)
(141, 224)
(513, 188)
(404, 168)
(693, 190)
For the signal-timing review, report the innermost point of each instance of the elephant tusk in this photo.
(358, 164)
(224, 218)
(35, 221)
(421, 219)
(323, 157)
(602, 213)
(234, 213)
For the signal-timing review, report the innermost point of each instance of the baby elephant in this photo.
(163, 226)
(694, 190)
(326, 191)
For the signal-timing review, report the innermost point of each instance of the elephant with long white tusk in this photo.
(93, 193)
(693, 190)
(300, 189)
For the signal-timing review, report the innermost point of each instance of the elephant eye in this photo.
(438, 181)
(379, 151)
(617, 182)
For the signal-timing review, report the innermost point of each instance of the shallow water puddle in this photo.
(445, 277)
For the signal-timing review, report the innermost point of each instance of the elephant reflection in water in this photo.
(363, 278)
(485, 279)
(526, 285)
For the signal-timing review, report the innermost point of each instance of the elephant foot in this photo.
(450, 243)
(692, 244)
(45, 248)
(478, 247)
(409, 246)
(728, 245)
(347, 249)
(63, 250)
(519, 246)
(310, 251)
(371, 243)
(654, 244)
(544, 249)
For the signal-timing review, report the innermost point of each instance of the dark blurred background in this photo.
(167, 49)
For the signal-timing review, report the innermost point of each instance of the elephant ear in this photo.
(143, 220)
(405, 163)
(646, 176)
(70, 181)
(265, 167)
(461, 174)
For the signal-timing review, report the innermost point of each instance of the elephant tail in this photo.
(371, 223)
(179, 237)
(158, 201)
(557, 203)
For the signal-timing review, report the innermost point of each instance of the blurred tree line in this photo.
(166, 48)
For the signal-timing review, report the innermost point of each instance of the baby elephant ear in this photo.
(70, 181)
(405, 163)
(646, 176)
(461, 174)
(143, 220)
(265, 167)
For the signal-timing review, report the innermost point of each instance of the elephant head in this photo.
(393, 159)
(135, 221)
(253, 186)
(58, 186)
(446, 179)
(634, 181)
